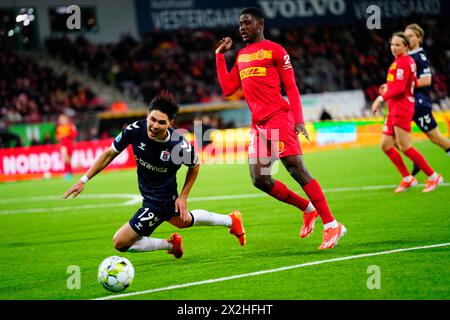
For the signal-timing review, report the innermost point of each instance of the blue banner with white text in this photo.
(206, 14)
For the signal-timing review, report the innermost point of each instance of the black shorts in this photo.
(150, 216)
(425, 120)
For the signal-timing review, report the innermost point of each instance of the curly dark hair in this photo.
(165, 103)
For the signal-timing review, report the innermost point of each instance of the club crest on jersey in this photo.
(142, 146)
(165, 155)
(281, 147)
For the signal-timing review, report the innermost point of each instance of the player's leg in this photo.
(260, 164)
(426, 122)
(389, 143)
(200, 217)
(134, 236)
(260, 172)
(439, 139)
(66, 155)
(332, 229)
(405, 143)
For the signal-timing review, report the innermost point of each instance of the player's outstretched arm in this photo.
(229, 81)
(224, 45)
(181, 202)
(101, 162)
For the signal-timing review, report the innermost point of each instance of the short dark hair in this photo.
(165, 103)
(254, 11)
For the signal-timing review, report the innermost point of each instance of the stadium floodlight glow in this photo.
(20, 17)
(61, 10)
(26, 18)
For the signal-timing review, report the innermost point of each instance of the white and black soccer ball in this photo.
(115, 273)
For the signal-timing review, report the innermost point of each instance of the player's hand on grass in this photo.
(224, 45)
(300, 128)
(182, 208)
(74, 190)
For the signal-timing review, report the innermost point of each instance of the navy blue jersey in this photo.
(421, 95)
(157, 161)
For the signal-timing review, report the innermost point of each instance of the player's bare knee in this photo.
(403, 147)
(119, 244)
(385, 146)
(263, 183)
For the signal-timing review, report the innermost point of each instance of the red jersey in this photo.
(259, 67)
(400, 86)
(66, 133)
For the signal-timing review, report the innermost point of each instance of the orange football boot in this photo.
(237, 227)
(309, 219)
(331, 236)
(177, 248)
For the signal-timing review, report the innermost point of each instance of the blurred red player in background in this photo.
(66, 132)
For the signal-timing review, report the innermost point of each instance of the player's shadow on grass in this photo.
(366, 247)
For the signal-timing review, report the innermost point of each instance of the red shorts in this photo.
(68, 145)
(401, 121)
(274, 138)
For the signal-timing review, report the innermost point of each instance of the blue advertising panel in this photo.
(206, 14)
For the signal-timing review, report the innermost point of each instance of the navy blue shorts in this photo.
(425, 120)
(150, 216)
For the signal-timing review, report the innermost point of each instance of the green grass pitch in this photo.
(42, 236)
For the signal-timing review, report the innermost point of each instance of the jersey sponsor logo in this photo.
(142, 146)
(252, 72)
(165, 155)
(150, 166)
(400, 73)
(258, 55)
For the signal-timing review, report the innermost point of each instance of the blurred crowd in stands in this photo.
(32, 94)
(326, 58)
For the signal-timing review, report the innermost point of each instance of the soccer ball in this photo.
(115, 273)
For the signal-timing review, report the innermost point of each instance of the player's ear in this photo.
(171, 123)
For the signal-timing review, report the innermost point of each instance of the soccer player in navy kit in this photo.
(423, 115)
(159, 152)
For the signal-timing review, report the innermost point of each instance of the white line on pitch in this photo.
(257, 273)
(135, 199)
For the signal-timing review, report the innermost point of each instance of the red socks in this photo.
(315, 194)
(282, 193)
(396, 158)
(419, 160)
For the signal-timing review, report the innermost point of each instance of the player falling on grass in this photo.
(259, 68)
(397, 127)
(423, 115)
(159, 152)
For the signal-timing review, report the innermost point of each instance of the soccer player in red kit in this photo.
(259, 68)
(66, 133)
(399, 95)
